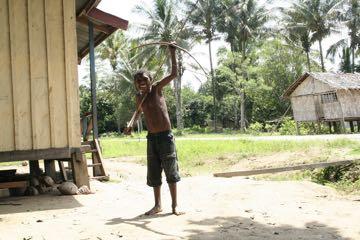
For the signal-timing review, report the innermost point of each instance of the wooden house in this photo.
(326, 97)
(41, 43)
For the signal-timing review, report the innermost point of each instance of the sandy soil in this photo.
(216, 208)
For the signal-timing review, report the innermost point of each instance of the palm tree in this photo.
(243, 22)
(319, 17)
(165, 26)
(351, 18)
(296, 32)
(203, 15)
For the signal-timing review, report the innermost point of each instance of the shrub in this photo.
(288, 127)
(255, 128)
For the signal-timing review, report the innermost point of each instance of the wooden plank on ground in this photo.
(283, 169)
(39, 76)
(18, 184)
(20, 73)
(56, 72)
(7, 141)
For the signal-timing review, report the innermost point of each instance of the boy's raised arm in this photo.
(173, 73)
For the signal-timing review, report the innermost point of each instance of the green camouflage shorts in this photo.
(161, 154)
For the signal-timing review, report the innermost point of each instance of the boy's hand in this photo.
(172, 46)
(127, 130)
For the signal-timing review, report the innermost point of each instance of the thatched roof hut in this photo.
(325, 97)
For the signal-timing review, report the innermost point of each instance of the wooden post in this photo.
(297, 127)
(318, 127)
(343, 128)
(352, 126)
(336, 128)
(358, 125)
(329, 124)
(50, 169)
(93, 80)
(34, 168)
(79, 168)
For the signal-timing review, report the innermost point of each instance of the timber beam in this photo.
(283, 169)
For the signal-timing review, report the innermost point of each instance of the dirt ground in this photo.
(216, 208)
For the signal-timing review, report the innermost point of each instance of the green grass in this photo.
(7, 164)
(197, 157)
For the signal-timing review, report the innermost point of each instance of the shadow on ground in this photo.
(46, 202)
(235, 228)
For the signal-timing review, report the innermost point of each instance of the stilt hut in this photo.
(326, 98)
(41, 43)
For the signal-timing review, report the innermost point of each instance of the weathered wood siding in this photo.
(332, 111)
(350, 103)
(311, 86)
(304, 108)
(39, 101)
(307, 105)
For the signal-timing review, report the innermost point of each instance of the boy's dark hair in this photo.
(141, 73)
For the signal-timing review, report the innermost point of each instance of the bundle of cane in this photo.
(138, 109)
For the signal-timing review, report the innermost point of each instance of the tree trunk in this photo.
(321, 57)
(308, 61)
(177, 92)
(242, 94)
(242, 111)
(213, 84)
(353, 60)
(236, 125)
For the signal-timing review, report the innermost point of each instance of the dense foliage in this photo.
(267, 51)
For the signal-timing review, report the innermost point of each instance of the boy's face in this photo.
(142, 84)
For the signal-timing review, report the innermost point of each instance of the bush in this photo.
(255, 128)
(288, 127)
(348, 173)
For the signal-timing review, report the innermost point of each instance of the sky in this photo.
(125, 10)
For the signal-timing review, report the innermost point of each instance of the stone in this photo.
(68, 188)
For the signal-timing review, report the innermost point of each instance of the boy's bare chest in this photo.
(153, 101)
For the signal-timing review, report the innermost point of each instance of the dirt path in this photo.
(216, 208)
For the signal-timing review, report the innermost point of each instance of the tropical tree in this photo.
(166, 26)
(318, 16)
(243, 23)
(297, 33)
(203, 14)
(351, 18)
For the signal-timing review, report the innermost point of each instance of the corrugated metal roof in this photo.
(335, 80)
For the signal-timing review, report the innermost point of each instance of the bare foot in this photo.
(176, 212)
(154, 211)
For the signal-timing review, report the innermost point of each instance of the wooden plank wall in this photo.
(39, 102)
(349, 100)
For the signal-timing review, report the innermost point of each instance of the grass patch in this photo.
(198, 157)
(8, 164)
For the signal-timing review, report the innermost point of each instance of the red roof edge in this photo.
(108, 19)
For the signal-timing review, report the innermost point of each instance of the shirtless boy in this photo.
(161, 153)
